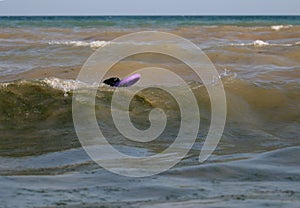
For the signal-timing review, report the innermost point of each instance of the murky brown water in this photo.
(256, 163)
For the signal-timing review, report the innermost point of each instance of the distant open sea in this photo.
(256, 164)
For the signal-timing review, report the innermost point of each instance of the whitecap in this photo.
(92, 44)
(260, 43)
(228, 73)
(253, 43)
(279, 27)
(66, 85)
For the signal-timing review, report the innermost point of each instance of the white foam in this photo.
(92, 44)
(228, 73)
(261, 43)
(254, 43)
(66, 85)
(5, 84)
(279, 27)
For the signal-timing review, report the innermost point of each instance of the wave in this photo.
(253, 43)
(65, 85)
(92, 44)
(280, 27)
(261, 43)
(257, 95)
(29, 109)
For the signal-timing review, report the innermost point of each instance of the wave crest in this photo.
(261, 43)
(92, 44)
(279, 27)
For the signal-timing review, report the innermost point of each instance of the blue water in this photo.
(143, 21)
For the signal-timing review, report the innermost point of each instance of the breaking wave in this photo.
(92, 44)
(280, 27)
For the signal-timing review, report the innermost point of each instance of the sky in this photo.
(149, 7)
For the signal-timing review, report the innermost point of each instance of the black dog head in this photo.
(112, 81)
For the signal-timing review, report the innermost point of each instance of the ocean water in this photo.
(256, 164)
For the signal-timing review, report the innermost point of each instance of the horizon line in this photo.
(147, 15)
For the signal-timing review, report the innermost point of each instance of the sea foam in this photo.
(92, 44)
(68, 85)
(261, 43)
(65, 85)
(253, 43)
(279, 27)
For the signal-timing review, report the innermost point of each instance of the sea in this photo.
(256, 163)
